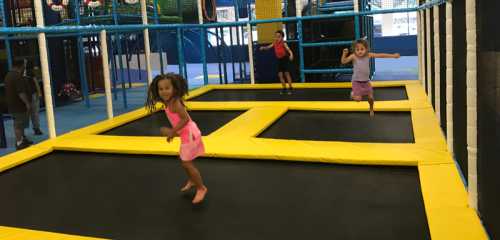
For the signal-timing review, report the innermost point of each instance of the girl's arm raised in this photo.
(345, 59)
(267, 47)
(178, 107)
(383, 55)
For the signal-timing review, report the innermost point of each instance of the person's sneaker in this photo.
(289, 92)
(282, 91)
(25, 139)
(22, 145)
(37, 131)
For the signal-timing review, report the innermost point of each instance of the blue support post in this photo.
(81, 58)
(139, 63)
(114, 74)
(356, 25)
(127, 48)
(231, 51)
(244, 52)
(218, 54)
(183, 56)
(203, 45)
(7, 41)
(180, 54)
(223, 55)
(301, 51)
(159, 46)
(119, 52)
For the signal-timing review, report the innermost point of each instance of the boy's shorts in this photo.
(283, 64)
(21, 120)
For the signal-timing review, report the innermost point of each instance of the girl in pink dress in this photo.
(169, 90)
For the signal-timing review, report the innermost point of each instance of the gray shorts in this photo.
(21, 120)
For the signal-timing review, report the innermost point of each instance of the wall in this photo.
(488, 92)
(404, 45)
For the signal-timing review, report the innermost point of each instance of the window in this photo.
(394, 24)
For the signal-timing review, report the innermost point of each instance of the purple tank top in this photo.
(361, 69)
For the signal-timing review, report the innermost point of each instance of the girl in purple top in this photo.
(361, 70)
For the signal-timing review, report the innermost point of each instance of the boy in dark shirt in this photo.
(18, 102)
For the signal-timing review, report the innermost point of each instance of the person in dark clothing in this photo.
(32, 74)
(18, 102)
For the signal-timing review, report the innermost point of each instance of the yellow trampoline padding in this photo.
(119, 144)
(22, 156)
(442, 186)
(304, 105)
(416, 96)
(426, 129)
(250, 123)
(10, 233)
(445, 200)
(206, 88)
(199, 91)
(110, 123)
(261, 148)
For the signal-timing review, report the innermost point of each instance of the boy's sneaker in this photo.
(289, 92)
(282, 91)
(25, 139)
(22, 145)
(37, 131)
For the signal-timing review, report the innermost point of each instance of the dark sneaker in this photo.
(24, 144)
(282, 91)
(37, 131)
(289, 92)
(25, 139)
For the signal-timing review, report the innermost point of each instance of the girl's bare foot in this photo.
(188, 186)
(200, 195)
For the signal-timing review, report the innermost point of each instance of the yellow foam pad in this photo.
(10, 233)
(445, 199)
(444, 195)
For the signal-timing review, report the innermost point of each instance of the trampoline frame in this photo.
(444, 194)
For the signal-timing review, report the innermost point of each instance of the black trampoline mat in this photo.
(137, 197)
(384, 127)
(207, 121)
(299, 94)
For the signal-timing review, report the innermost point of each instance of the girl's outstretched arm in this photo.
(345, 59)
(267, 47)
(290, 53)
(178, 107)
(383, 55)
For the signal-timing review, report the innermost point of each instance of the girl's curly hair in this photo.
(178, 83)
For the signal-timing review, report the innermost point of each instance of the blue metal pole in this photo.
(122, 74)
(127, 51)
(244, 52)
(183, 56)
(249, 9)
(231, 51)
(180, 54)
(203, 45)
(218, 54)
(7, 42)
(301, 51)
(119, 52)
(81, 58)
(135, 27)
(159, 46)
(114, 75)
(223, 55)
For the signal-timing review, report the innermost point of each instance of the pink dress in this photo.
(191, 143)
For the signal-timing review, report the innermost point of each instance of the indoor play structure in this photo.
(309, 165)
